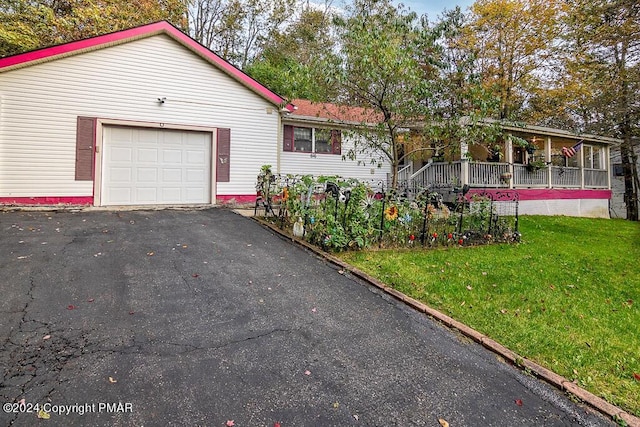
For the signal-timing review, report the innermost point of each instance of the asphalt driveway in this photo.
(200, 317)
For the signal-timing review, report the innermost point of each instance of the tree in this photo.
(378, 68)
(27, 25)
(237, 29)
(460, 102)
(289, 62)
(604, 37)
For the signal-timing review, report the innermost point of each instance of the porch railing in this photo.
(595, 178)
(565, 177)
(487, 174)
(437, 174)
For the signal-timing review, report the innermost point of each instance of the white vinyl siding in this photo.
(364, 167)
(40, 104)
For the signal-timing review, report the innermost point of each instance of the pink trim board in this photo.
(550, 193)
(47, 201)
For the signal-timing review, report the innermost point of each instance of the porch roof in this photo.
(546, 131)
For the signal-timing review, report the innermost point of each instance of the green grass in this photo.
(567, 297)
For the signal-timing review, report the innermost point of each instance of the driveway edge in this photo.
(560, 382)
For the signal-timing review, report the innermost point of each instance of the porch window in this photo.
(311, 140)
(592, 157)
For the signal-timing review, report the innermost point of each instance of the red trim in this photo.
(46, 200)
(236, 198)
(162, 27)
(550, 193)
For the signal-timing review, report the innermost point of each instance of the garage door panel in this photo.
(196, 157)
(172, 156)
(147, 155)
(155, 166)
(171, 175)
(147, 175)
(120, 175)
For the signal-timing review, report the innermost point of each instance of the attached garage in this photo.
(143, 116)
(155, 166)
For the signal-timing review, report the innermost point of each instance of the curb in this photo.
(541, 372)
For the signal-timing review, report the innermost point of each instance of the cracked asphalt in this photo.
(200, 317)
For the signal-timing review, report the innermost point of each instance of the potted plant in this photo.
(536, 165)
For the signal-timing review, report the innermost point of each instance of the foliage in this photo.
(513, 40)
(27, 25)
(573, 310)
(348, 214)
(381, 67)
(238, 29)
(288, 61)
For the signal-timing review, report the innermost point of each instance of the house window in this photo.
(592, 157)
(311, 140)
(303, 140)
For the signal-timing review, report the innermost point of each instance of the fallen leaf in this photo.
(307, 372)
(46, 337)
(150, 253)
(340, 271)
(276, 424)
(43, 415)
(230, 423)
(71, 307)
(443, 422)
(313, 310)
(195, 275)
(484, 273)
(518, 402)
(90, 300)
(184, 246)
(503, 311)
(22, 401)
(356, 417)
(636, 376)
(131, 313)
(552, 287)
(112, 380)
(469, 287)
(462, 303)
(24, 257)
(335, 405)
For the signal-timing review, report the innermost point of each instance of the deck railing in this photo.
(523, 177)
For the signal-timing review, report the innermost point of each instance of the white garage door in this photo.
(155, 166)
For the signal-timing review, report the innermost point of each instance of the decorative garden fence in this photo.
(340, 214)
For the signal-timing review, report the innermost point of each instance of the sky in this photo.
(433, 8)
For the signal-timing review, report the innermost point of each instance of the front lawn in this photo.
(567, 297)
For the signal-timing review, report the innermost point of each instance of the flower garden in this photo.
(347, 214)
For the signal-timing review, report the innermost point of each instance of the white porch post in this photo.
(509, 158)
(580, 155)
(547, 160)
(607, 164)
(464, 163)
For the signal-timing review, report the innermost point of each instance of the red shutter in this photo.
(287, 140)
(336, 142)
(85, 147)
(223, 151)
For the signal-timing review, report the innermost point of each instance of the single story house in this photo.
(145, 116)
(148, 116)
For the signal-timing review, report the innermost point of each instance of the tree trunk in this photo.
(630, 170)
